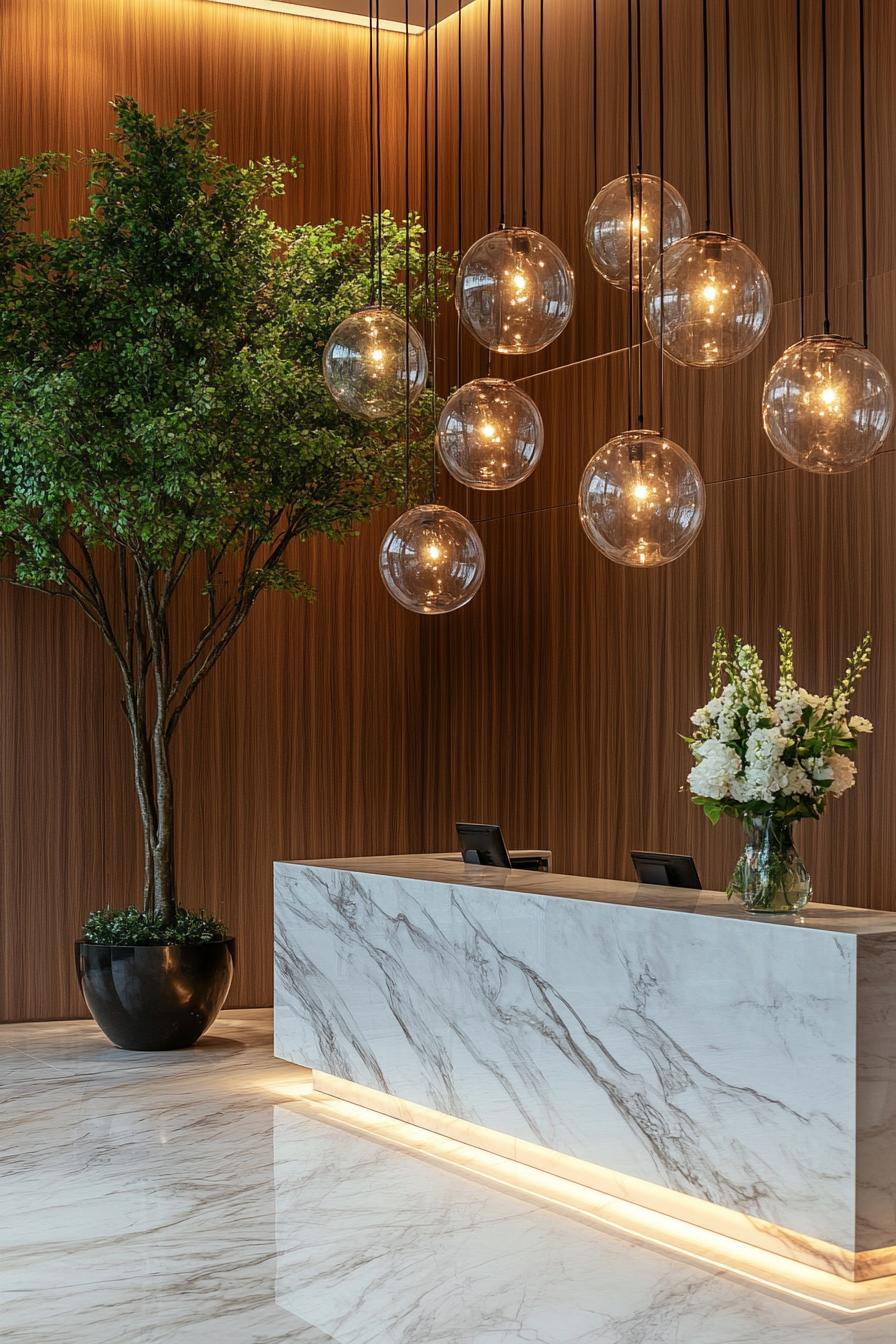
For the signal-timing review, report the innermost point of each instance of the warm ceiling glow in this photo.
(314, 12)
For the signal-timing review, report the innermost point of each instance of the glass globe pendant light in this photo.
(515, 291)
(629, 208)
(642, 499)
(708, 299)
(490, 434)
(432, 560)
(374, 362)
(828, 402)
(713, 303)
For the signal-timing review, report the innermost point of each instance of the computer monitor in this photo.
(482, 844)
(666, 870)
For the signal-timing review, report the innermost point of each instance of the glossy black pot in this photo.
(155, 998)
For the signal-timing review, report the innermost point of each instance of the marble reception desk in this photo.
(733, 1072)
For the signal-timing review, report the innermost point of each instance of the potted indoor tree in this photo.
(162, 410)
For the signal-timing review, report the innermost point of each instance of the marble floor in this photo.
(192, 1197)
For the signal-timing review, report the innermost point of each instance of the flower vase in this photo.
(770, 877)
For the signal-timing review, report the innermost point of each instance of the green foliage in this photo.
(135, 928)
(162, 399)
(160, 367)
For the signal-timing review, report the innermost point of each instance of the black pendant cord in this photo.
(594, 67)
(661, 92)
(371, 154)
(631, 206)
(488, 140)
(488, 117)
(639, 160)
(640, 212)
(435, 244)
(706, 176)
(502, 204)
(728, 118)
(800, 171)
(826, 223)
(863, 172)
(460, 178)
(379, 165)
(427, 314)
(523, 215)
(407, 255)
(541, 116)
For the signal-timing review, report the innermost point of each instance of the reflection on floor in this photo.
(185, 1197)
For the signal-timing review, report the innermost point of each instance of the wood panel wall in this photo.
(553, 702)
(303, 743)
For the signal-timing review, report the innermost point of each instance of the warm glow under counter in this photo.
(732, 1071)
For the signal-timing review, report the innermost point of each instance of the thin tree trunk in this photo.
(145, 787)
(164, 891)
(155, 797)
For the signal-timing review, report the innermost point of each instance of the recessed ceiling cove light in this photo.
(355, 11)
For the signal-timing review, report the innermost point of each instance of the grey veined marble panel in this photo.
(712, 1056)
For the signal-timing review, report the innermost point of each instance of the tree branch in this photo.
(248, 590)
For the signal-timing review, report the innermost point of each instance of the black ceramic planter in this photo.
(155, 998)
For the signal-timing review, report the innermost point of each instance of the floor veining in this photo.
(191, 1198)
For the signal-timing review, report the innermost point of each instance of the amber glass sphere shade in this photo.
(432, 560)
(515, 291)
(642, 500)
(375, 364)
(490, 434)
(622, 230)
(827, 405)
(711, 299)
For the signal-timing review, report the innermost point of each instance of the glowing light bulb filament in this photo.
(710, 294)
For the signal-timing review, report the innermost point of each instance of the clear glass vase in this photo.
(770, 877)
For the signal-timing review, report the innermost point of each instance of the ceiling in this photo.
(392, 12)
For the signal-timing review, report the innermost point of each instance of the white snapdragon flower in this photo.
(726, 719)
(860, 725)
(717, 767)
(789, 710)
(843, 773)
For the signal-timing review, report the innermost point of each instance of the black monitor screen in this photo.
(482, 844)
(666, 870)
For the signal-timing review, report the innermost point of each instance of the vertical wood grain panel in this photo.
(552, 702)
(557, 696)
(304, 741)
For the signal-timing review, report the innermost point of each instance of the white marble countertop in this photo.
(448, 869)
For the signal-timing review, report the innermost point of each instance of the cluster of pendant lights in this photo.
(704, 297)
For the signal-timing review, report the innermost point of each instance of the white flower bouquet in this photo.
(772, 760)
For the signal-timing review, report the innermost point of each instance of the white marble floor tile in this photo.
(180, 1198)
